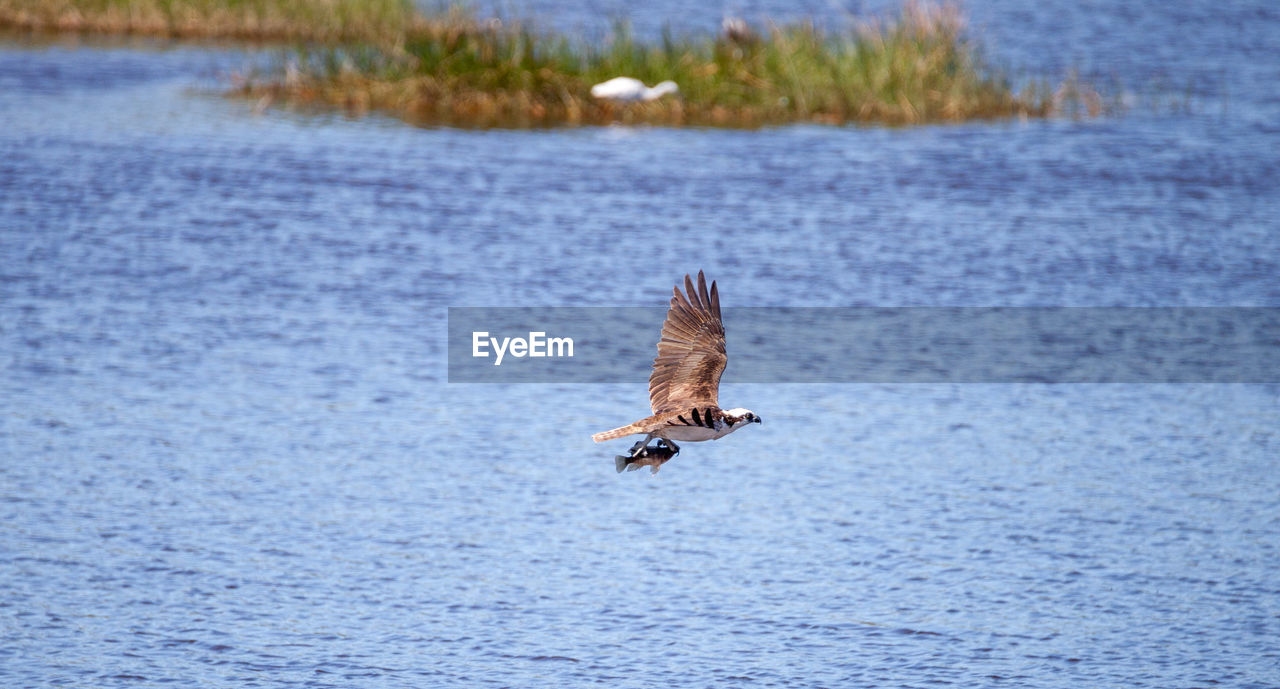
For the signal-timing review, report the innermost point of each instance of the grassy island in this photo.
(454, 68)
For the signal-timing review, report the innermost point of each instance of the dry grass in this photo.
(308, 20)
(452, 68)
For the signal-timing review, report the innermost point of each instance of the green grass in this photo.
(451, 67)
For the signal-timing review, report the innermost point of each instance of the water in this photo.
(230, 457)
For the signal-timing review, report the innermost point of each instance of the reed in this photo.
(451, 67)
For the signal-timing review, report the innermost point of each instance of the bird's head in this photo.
(740, 415)
(661, 89)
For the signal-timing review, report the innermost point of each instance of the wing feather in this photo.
(691, 354)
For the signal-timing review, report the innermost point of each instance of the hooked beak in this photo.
(757, 420)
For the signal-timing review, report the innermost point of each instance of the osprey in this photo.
(684, 383)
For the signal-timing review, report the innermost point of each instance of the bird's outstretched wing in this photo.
(691, 354)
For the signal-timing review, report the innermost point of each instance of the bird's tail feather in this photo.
(615, 433)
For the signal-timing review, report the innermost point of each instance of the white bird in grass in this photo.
(628, 89)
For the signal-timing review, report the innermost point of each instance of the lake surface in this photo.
(230, 456)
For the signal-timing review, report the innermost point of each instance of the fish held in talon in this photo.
(652, 456)
(685, 381)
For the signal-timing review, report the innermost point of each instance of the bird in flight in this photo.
(684, 383)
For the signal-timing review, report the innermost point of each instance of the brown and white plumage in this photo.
(685, 382)
(691, 353)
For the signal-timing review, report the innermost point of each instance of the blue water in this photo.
(229, 456)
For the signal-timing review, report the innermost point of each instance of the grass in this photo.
(451, 67)
(268, 20)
